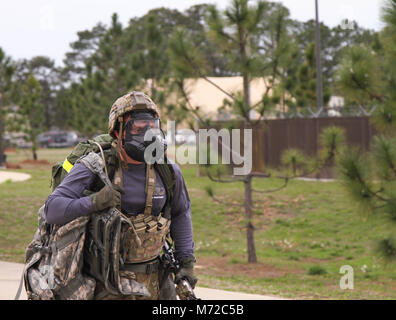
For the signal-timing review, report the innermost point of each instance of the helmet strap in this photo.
(121, 152)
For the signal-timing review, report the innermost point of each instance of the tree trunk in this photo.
(251, 249)
(47, 111)
(1, 138)
(252, 258)
(246, 93)
(2, 158)
(34, 150)
(34, 154)
(153, 89)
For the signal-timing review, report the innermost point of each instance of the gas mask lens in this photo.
(139, 126)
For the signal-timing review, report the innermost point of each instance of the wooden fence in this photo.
(272, 137)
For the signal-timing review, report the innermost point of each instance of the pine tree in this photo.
(236, 35)
(305, 89)
(6, 83)
(370, 177)
(108, 76)
(358, 79)
(31, 112)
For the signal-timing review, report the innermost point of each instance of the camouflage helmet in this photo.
(134, 100)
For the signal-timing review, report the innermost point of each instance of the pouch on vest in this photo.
(144, 239)
(102, 257)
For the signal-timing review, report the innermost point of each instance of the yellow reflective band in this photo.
(67, 165)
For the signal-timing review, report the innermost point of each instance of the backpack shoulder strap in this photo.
(167, 174)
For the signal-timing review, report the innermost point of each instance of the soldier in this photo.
(141, 194)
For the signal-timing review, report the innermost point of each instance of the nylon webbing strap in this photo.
(150, 186)
(166, 173)
(69, 238)
(145, 268)
(121, 152)
(117, 178)
(72, 286)
(18, 294)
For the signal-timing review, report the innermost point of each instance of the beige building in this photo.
(205, 95)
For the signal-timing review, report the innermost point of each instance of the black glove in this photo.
(186, 271)
(107, 197)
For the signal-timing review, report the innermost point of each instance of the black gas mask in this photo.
(144, 140)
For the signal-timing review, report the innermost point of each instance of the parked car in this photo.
(43, 139)
(58, 139)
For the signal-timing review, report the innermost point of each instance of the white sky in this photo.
(46, 27)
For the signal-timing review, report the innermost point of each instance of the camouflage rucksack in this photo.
(54, 261)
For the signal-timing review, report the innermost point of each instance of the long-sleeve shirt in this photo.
(68, 201)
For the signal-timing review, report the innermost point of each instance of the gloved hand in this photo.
(107, 197)
(186, 271)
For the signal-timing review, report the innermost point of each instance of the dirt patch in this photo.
(221, 266)
(31, 164)
(12, 166)
(35, 162)
(10, 150)
(265, 211)
(321, 261)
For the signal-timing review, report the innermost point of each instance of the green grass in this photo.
(304, 234)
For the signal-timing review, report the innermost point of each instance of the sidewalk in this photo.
(10, 275)
(13, 176)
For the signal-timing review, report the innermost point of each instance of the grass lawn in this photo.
(304, 234)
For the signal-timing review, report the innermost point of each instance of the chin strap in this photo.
(122, 156)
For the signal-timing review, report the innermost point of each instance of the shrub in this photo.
(317, 270)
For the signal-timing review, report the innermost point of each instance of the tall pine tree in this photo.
(6, 72)
(370, 178)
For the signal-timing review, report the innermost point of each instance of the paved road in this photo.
(10, 275)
